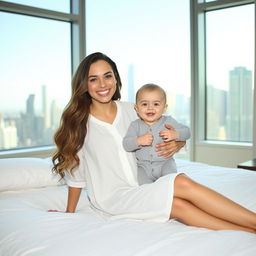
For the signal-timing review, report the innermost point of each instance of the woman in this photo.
(89, 145)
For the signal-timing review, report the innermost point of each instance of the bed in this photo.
(28, 190)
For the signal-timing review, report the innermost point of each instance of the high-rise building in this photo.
(45, 108)
(8, 134)
(30, 110)
(181, 109)
(240, 105)
(56, 112)
(216, 113)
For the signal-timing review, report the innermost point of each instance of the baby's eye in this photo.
(144, 104)
(156, 104)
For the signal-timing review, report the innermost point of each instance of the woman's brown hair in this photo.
(69, 138)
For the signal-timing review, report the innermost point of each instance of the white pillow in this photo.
(23, 173)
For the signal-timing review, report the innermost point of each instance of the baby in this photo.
(144, 133)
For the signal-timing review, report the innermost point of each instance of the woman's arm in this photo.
(73, 197)
(167, 149)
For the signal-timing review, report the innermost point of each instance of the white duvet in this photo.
(27, 229)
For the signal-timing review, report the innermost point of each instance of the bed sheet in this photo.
(27, 229)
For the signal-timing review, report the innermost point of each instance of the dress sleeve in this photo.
(77, 178)
(183, 130)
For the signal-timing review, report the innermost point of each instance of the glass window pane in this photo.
(230, 65)
(205, 1)
(35, 79)
(60, 6)
(149, 45)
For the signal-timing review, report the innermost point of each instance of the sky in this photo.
(155, 40)
(234, 40)
(33, 55)
(153, 36)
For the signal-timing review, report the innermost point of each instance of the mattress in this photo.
(28, 190)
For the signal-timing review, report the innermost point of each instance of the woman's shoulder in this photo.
(126, 104)
(127, 108)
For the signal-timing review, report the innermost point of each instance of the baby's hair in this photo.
(150, 87)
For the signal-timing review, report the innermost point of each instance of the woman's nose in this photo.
(102, 83)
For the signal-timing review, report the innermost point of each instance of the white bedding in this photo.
(27, 229)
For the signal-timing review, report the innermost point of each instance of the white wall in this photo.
(222, 155)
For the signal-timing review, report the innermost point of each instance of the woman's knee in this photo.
(183, 184)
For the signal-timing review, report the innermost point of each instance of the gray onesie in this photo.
(150, 165)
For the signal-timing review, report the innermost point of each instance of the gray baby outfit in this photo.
(150, 165)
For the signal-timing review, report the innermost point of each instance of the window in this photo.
(223, 81)
(46, 4)
(149, 45)
(229, 73)
(35, 76)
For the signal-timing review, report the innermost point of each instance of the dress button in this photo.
(152, 169)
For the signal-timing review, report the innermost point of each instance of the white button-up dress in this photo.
(110, 173)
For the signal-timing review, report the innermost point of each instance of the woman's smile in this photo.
(103, 92)
(101, 82)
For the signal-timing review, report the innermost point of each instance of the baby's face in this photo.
(150, 106)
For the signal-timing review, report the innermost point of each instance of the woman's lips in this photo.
(103, 93)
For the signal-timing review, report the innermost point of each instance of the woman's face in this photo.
(101, 82)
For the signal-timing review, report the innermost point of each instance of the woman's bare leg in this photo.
(213, 203)
(193, 216)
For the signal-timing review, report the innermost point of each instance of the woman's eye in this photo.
(109, 76)
(92, 80)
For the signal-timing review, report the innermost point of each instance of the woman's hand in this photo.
(59, 211)
(167, 149)
(54, 211)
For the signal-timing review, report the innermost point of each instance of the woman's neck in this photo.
(104, 112)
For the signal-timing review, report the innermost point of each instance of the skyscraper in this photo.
(216, 113)
(240, 106)
(8, 134)
(30, 110)
(45, 109)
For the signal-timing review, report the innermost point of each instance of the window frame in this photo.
(76, 17)
(198, 8)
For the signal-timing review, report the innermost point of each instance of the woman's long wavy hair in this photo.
(69, 138)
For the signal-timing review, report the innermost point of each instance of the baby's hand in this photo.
(145, 140)
(168, 135)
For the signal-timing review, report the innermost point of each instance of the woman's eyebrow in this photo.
(109, 72)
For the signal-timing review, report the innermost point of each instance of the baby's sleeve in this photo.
(130, 139)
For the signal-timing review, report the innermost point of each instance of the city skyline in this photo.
(33, 128)
(30, 128)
